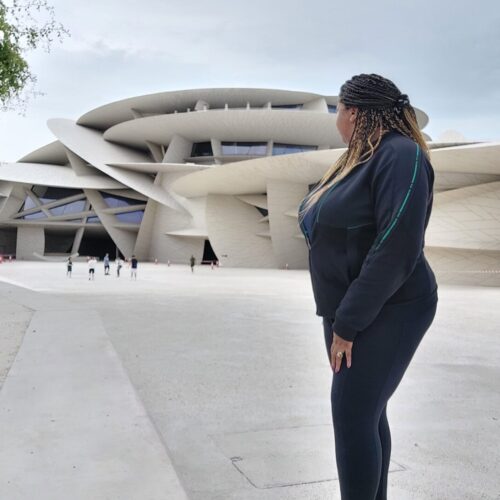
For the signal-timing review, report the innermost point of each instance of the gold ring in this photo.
(340, 354)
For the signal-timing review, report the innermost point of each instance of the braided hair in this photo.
(381, 108)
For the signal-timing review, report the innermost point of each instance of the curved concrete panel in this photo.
(251, 176)
(444, 181)
(54, 175)
(466, 218)
(189, 233)
(110, 114)
(14, 199)
(90, 145)
(477, 158)
(233, 228)
(167, 102)
(257, 200)
(282, 197)
(295, 127)
(154, 168)
(53, 153)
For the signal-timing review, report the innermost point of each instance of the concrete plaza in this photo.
(215, 385)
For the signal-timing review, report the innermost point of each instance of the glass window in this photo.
(69, 208)
(244, 148)
(332, 108)
(115, 201)
(36, 215)
(47, 194)
(202, 149)
(286, 106)
(93, 220)
(28, 203)
(285, 149)
(131, 217)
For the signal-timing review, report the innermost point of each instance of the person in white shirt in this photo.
(92, 263)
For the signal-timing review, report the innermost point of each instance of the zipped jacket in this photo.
(366, 236)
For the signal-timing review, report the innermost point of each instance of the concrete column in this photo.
(152, 240)
(283, 199)
(78, 240)
(233, 228)
(30, 240)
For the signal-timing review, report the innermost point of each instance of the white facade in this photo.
(161, 175)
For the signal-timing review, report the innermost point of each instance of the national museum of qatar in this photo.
(219, 173)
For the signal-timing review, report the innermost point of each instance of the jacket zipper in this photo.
(324, 197)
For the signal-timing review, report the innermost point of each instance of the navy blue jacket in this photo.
(366, 236)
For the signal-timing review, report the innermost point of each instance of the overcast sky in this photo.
(445, 54)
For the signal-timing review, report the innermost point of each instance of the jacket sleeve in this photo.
(401, 194)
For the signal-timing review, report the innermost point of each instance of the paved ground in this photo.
(230, 367)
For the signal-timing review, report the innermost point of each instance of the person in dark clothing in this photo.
(192, 262)
(133, 267)
(119, 264)
(69, 267)
(364, 223)
(106, 264)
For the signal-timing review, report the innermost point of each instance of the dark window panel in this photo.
(286, 106)
(115, 201)
(202, 149)
(49, 194)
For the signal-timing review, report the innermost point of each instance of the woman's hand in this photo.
(340, 345)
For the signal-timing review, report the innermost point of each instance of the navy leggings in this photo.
(380, 356)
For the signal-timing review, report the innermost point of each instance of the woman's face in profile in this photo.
(346, 119)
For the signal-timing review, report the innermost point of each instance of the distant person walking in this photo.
(133, 270)
(69, 267)
(192, 262)
(92, 263)
(106, 265)
(119, 265)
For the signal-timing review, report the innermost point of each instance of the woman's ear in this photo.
(353, 114)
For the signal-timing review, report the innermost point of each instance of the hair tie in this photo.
(402, 101)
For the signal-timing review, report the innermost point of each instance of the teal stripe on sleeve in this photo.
(403, 204)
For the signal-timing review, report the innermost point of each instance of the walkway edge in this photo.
(72, 424)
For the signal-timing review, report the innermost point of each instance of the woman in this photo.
(365, 223)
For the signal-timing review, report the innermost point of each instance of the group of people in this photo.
(92, 263)
(133, 263)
